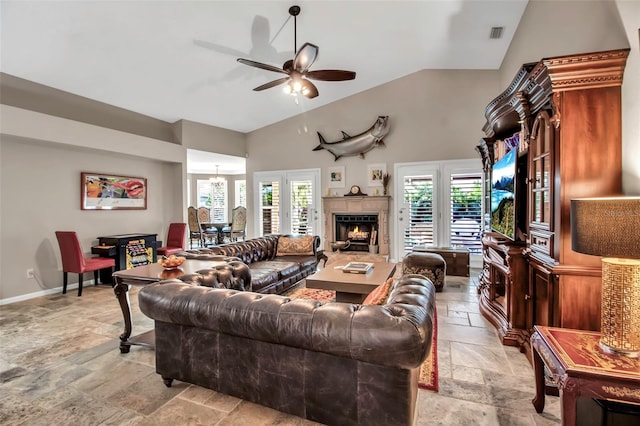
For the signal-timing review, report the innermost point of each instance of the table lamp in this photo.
(610, 227)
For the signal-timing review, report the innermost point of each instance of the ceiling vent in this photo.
(496, 33)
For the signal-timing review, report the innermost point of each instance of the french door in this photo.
(440, 205)
(416, 207)
(288, 202)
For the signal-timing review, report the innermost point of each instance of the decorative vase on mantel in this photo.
(385, 183)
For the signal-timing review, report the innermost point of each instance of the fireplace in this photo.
(370, 214)
(360, 230)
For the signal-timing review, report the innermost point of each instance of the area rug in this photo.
(312, 293)
(428, 370)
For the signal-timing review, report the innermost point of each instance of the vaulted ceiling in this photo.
(176, 60)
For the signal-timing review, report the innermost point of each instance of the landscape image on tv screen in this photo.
(503, 214)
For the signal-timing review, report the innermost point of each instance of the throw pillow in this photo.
(288, 246)
(380, 294)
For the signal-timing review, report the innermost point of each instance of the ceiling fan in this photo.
(297, 69)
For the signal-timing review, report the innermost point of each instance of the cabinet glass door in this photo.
(540, 178)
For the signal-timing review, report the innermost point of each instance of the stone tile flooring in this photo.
(60, 365)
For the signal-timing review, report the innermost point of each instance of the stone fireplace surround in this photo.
(374, 205)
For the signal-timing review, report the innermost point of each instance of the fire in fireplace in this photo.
(359, 229)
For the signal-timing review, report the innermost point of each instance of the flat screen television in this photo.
(503, 195)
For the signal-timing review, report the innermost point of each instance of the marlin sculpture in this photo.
(359, 144)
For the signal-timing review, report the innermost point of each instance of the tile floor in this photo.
(60, 365)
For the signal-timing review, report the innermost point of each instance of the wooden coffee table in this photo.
(351, 288)
(143, 275)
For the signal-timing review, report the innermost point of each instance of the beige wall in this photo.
(434, 115)
(41, 194)
(212, 139)
(556, 28)
(41, 157)
(32, 96)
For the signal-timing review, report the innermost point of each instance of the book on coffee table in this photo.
(357, 267)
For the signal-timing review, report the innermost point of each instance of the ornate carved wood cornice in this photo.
(485, 149)
(501, 113)
(587, 71)
(536, 86)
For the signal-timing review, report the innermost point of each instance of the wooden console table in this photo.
(144, 275)
(581, 368)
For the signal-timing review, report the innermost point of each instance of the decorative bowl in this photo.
(339, 245)
(171, 262)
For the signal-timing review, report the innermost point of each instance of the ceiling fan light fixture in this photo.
(297, 69)
(297, 86)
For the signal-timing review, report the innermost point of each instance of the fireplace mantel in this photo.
(357, 204)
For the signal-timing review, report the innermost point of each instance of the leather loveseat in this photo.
(276, 262)
(334, 363)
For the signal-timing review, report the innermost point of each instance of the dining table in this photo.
(218, 225)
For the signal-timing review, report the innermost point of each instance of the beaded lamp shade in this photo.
(610, 227)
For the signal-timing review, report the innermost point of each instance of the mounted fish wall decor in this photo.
(359, 144)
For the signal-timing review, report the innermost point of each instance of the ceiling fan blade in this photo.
(261, 65)
(305, 57)
(311, 89)
(271, 84)
(330, 75)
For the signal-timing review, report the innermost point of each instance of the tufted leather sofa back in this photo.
(249, 251)
(234, 275)
(364, 333)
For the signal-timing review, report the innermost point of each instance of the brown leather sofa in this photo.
(270, 272)
(334, 363)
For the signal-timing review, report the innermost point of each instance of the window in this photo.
(466, 211)
(418, 195)
(301, 199)
(286, 201)
(212, 193)
(269, 206)
(441, 206)
(241, 193)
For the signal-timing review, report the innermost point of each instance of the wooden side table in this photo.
(581, 368)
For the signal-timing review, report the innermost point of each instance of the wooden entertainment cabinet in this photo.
(567, 113)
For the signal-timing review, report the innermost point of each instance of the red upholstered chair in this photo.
(74, 261)
(175, 239)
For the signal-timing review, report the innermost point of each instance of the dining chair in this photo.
(175, 239)
(195, 230)
(204, 214)
(209, 233)
(238, 224)
(74, 261)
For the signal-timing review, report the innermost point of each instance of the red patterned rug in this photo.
(428, 370)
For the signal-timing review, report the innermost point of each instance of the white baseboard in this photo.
(43, 293)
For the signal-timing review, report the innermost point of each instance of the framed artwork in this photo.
(375, 173)
(101, 191)
(336, 177)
